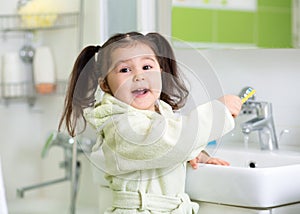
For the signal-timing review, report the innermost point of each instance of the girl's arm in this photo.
(233, 104)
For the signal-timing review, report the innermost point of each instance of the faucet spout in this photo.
(253, 125)
(264, 124)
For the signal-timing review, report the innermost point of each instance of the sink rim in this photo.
(253, 182)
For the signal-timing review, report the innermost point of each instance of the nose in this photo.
(139, 76)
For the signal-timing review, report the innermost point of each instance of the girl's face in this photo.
(134, 77)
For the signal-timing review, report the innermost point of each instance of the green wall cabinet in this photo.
(268, 26)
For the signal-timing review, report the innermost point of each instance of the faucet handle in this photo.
(282, 133)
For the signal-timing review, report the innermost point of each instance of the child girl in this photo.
(142, 145)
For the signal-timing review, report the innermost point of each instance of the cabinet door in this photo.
(230, 23)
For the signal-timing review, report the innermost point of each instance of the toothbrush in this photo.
(249, 93)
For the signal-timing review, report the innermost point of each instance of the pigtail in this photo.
(82, 86)
(174, 90)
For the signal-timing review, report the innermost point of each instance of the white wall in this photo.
(274, 73)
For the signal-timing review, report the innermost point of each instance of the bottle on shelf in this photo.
(44, 70)
(14, 77)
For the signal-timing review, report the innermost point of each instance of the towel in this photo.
(39, 13)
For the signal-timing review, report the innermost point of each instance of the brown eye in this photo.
(147, 67)
(124, 70)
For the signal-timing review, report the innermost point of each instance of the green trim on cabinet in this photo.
(275, 3)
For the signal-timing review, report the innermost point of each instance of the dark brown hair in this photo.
(93, 63)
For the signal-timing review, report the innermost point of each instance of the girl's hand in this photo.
(233, 103)
(203, 157)
(217, 161)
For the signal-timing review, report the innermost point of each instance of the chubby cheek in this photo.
(156, 83)
(121, 89)
(124, 97)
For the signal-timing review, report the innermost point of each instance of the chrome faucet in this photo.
(263, 123)
(66, 142)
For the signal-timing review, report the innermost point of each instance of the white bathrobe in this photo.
(144, 153)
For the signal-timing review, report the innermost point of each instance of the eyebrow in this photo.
(149, 57)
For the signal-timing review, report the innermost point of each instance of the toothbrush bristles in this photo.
(249, 93)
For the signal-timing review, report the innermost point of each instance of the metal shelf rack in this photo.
(28, 24)
(33, 22)
(25, 91)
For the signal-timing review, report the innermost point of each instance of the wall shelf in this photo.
(26, 91)
(33, 22)
(27, 24)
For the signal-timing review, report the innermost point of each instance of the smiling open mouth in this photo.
(140, 91)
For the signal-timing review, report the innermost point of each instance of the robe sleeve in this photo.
(136, 141)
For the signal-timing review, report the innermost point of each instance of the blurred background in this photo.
(226, 44)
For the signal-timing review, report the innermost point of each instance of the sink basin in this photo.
(255, 178)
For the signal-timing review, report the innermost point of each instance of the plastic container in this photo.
(44, 71)
(14, 76)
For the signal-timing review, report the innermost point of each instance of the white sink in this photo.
(274, 181)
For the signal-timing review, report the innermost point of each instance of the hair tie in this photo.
(97, 48)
